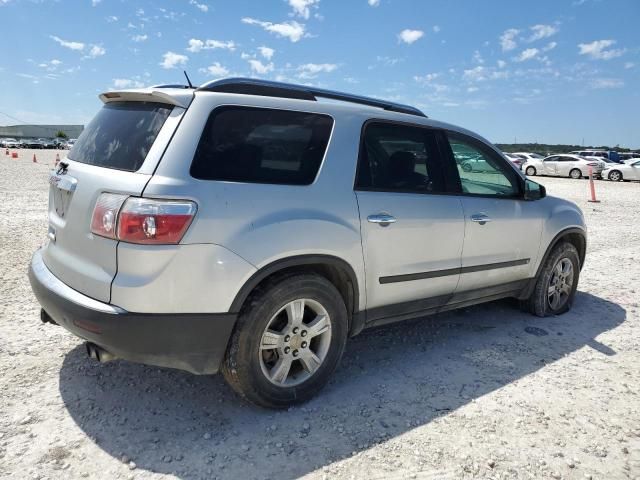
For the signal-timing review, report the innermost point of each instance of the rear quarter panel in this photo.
(262, 223)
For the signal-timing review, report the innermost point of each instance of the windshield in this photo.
(120, 135)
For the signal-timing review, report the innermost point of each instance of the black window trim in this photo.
(445, 164)
(261, 107)
(519, 181)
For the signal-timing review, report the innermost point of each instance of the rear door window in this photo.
(120, 135)
(399, 158)
(258, 145)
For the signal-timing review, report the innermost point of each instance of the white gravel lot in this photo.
(468, 394)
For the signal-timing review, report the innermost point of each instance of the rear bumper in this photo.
(195, 342)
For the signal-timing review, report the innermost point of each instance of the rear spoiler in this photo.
(171, 96)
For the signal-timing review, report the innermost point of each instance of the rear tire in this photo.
(576, 174)
(277, 330)
(557, 282)
(530, 171)
(615, 176)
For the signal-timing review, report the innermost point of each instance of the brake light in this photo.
(105, 214)
(141, 220)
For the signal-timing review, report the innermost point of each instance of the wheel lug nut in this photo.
(303, 333)
(304, 345)
(295, 330)
(287, 338)
(287, 349)
(295, 353)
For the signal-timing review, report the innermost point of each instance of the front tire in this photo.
(530, 171)
(615, 176)
(289, 339)
(576, 174)
(557, 282)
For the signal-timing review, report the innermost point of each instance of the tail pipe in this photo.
(99, 353)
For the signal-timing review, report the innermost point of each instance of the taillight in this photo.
(105, 214)
(141, 220)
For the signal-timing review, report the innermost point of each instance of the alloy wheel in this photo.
(560, 284)
(295, 342)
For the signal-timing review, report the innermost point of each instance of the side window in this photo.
(257, 145)
(552, 159)
(399, 158)
(481, 171)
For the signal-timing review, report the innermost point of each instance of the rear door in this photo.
(117, 153)
(412, 233)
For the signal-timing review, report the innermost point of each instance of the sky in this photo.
(547, 71)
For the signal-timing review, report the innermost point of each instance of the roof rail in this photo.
(252, 86)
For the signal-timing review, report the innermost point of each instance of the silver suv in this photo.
(251, 227)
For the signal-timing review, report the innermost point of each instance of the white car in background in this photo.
(623, 171)
(517, 160)
(529, 155)
(564, 165)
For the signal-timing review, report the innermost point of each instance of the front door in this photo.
(412, 233)
(502, 230)
(550, 165)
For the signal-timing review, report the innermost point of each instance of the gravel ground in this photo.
(486, 392)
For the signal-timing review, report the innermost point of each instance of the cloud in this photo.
(201, 6)
(436, 28)
(527, 54)
(216, 70)
(373, 3)
(112, 18)
(127, 83)
(482, 73)
(409, 36)
(95, 51)
(195, 45)
(600, 83)
(629, 65)
(260, 68)
(502, 64)
(294, 31)
(302, 8)
(428, 78)
(79, 46)
(550, 46)
(311, 70)
(599, 50)
(507, 39)
(542, 31)
(266, 52)
(172, 60)
(95, 2)
(139, 38)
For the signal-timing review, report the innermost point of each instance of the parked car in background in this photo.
(47, 143)
(60, 143)
(10, 143)
(624, 157)
(565, 165)
(32, 143)
(517, 160)
(609, 154)
(71, 142)
(529, 155)
(623, 172)
(162, 248)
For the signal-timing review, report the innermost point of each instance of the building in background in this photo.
(40, 131)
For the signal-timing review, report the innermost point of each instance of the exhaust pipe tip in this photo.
(46, 318)
(98, 353)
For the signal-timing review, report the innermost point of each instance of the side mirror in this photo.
(533, 190)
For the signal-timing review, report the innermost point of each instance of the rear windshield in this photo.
(258, 145)
(120, 135)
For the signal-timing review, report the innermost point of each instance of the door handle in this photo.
(383, 219)
(480, 218)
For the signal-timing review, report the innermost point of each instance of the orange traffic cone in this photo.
(14, 154)
(6, 152)
(34, 158)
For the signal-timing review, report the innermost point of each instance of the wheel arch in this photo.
(338, 271)
(574, 235)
